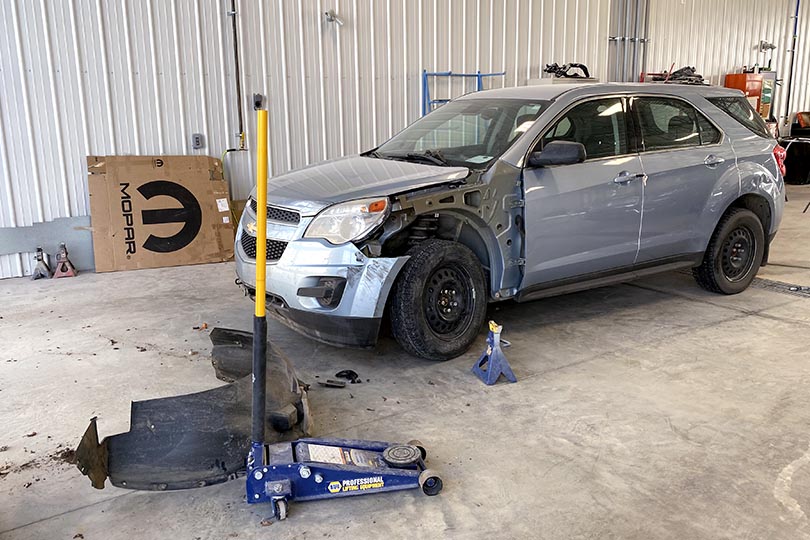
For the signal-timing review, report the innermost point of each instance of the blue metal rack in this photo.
(428, 104)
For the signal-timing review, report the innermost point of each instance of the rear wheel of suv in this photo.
(439, 301)
(734, 255)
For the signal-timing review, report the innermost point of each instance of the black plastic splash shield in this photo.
(198, 439)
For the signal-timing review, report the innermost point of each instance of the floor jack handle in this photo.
(259, 317)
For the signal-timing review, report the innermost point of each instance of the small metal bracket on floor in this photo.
(64, 268)
(41, 270)
(493, 363)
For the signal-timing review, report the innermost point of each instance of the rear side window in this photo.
(671, 123)
(740, 110)
(708, 133)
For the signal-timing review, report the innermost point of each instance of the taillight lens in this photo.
(780, 154)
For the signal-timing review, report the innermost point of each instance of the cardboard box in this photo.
(237, 207)
(153, 211)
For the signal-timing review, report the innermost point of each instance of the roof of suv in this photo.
(553, 91)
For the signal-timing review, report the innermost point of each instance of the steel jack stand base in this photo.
(493, 363)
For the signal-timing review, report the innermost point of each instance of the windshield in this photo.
(468, 132)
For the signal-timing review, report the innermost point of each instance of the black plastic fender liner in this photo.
(231, 355)
(198, 439)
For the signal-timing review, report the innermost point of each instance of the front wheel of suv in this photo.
(439, 301)
(734, 255)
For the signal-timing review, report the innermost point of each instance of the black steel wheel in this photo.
(737, 254)
(439, 300)
(447, 300)
(734, 255)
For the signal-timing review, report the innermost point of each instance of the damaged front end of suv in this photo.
(341, 234)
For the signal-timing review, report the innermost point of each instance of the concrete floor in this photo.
(646, 410)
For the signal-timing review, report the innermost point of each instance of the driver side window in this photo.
(598, 124)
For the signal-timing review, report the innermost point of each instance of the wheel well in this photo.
(759, 206)
(443, 226)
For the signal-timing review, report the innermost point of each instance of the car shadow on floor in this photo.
(620, 310)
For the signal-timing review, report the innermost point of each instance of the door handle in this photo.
(625, 177)
(712, 161)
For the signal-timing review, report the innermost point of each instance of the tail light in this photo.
(780, 154)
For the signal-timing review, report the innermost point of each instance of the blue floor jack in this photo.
(312, 469)
(309, 469)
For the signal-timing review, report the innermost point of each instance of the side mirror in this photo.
(558, 153)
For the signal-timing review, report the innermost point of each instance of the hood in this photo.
(354, 177)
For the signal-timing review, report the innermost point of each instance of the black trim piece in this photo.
(274, 249)
(276, 213)
(355, 332)
(608, 277)
(316, 292)
(633, 127)
(767, 254)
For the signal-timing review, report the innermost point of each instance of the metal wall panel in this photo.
(721, 36)
(94, 77)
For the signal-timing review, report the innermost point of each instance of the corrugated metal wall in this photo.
(95, 77)
(721, 36)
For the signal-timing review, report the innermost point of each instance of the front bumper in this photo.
(355, 320)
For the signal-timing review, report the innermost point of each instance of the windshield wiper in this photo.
(434, 156)
(431, 156)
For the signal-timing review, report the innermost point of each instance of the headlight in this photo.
(348, 221)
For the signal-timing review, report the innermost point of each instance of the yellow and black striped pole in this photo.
(259, 317)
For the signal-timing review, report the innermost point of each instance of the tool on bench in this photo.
(41, 270)
(493, 363)
(64, 268)
(310, 469)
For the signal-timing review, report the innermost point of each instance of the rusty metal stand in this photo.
(64, 268)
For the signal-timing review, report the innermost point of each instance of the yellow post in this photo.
(261, 210)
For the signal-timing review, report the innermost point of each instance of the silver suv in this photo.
(518, 193)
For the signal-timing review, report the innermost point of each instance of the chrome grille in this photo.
(275, 248)
(275, 213)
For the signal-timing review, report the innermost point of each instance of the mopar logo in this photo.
(189, 214)
(126, 212)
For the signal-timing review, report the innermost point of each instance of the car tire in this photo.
(734, 255)
(439, 300)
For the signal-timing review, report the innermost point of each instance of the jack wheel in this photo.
(401, 455)
(417, 443)
(430, 482)
(280, 507)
